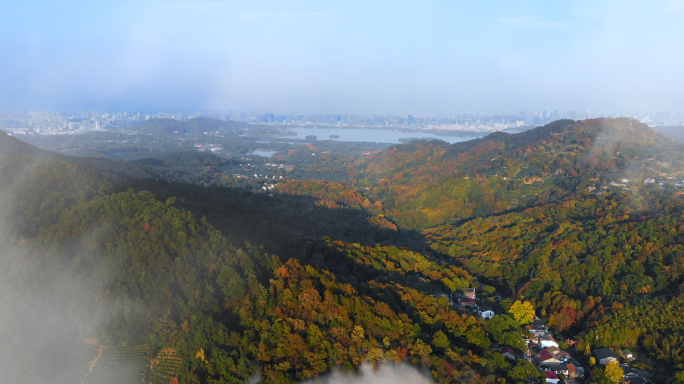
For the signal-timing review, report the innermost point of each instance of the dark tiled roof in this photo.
(604, 353)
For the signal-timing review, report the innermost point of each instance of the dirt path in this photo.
(92, 363)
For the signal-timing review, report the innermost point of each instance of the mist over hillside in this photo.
(674, 132)
(12, 147)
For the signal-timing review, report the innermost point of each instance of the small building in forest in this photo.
(468, 302)
(508, 353)
(605, 356)
(470, 293)
(485, 312)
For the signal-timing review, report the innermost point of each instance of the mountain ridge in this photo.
(486, 175)
(12, 147)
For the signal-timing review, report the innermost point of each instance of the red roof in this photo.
(509, 350)
(551, 375)
(545, 356)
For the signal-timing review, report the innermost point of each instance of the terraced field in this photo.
(82, 355)
(118, 366)
(164, 366)
(92, 364)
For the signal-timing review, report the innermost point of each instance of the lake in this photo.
(371, 135)
(263, 153)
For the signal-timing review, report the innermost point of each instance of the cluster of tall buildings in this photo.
(464, 120)
(29, 122)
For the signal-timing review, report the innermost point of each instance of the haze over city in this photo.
(405, 57)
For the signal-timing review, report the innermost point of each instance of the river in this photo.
(372, 135)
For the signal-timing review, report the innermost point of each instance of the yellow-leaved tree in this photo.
(614, 372)
(522, 312)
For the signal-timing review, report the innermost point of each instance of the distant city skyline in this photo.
(309, 57)
(56, 123)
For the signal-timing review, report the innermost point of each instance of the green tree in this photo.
(440, 340)
(506, 331)
(679, 377)
(524, 370)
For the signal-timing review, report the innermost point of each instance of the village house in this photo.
(485, 312)
(544, 358)
(558, 368)
(544, 352)
(560, 354)
(634, 380)
(468, 302)
(551, 377)
(538, 327)
(605, 356)
(546, 341)
(470, 293)
(508, 353)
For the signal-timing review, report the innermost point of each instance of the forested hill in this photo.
(620, 130)
(127, 272)
(606, 270)
(196, 126)
(219, 285)
(175, 166)
(10, 147)
(427, 183)
(182, 159)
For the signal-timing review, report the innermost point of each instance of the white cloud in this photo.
(387, 373)
(532, 22)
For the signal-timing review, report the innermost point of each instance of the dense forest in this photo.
(428, 183)
(127, 269)
(208, 284)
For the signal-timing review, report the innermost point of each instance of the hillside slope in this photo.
(127, 269)
(290, 287)
(12, 147)
(428, 183)
(182, 159)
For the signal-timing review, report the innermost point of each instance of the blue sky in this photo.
(419, 57)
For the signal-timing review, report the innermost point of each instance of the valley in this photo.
(194, 266)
